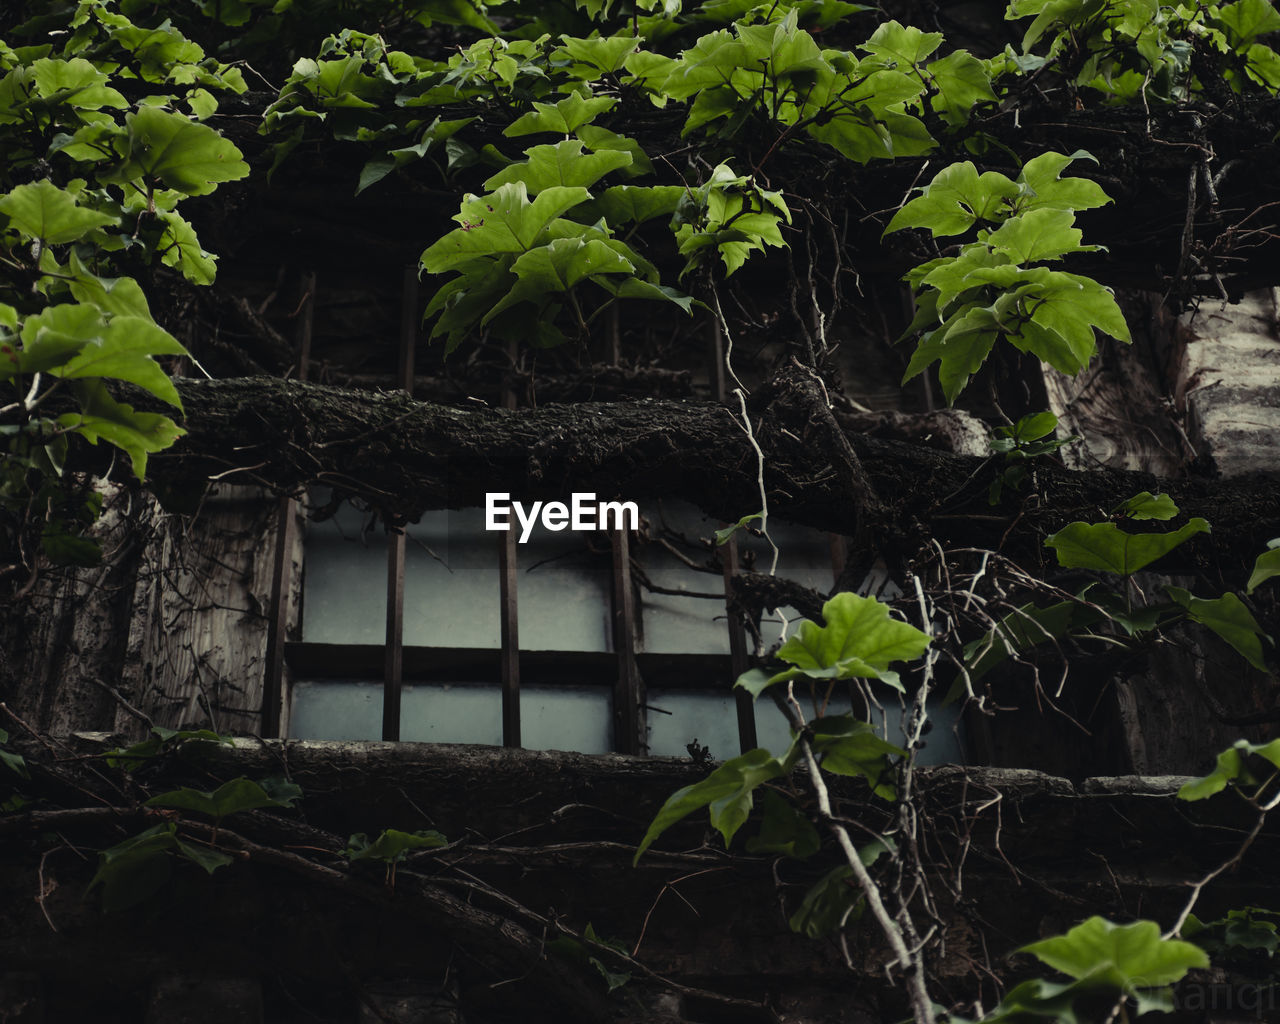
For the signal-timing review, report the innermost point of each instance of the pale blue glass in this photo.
(451, 581)
(564, 591)
(344, 579)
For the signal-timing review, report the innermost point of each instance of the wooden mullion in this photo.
(273, 695)
(510, 630)
(747, 738)
(729, 554)
(628, 696)
(393, 659)
(509, 610)
(393, 651)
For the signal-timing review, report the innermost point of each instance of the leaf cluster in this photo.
(104, 136)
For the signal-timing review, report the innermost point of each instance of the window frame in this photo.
(625, 666)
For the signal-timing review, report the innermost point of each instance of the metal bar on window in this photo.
(510, 640)
(747, 739)
(509, 611)
(286, 537)
(628, 698)
(729, 557)
(393, 661)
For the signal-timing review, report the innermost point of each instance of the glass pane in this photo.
(344, 582)
(564, 591)
(674, 623)
(451, 713)
(336, 710)
(451, 581)
(566, 718)
(711, 719)
(804, 555)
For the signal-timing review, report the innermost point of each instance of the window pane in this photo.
(336, 710)
(711, 719)
(672, 623)
(344, 590)
(804, 555)
(564, 591)
(451, 582)
(566, 718)
(451, 713)
(551, 717)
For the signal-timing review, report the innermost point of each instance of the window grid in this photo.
(685, 671)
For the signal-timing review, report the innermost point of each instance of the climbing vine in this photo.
(111, 119)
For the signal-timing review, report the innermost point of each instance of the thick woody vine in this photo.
(565, 218)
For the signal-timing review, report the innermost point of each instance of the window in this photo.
(613, 641)
(592, 642)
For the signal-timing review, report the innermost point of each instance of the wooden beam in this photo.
(509, 611)
(628, 698)
(393, 662)
(273, 695)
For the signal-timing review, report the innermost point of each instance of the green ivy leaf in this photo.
(203, 856)
(895, 44)
(236, 795)
(850, 747)
(596, 139)
(606, 55)
(624, 204)
(1249, 19)
(133, 870)
(180, 248)
(1107, 548)
(136, 433)
(727, 792)
(65, 548)
(860, 639)
(835, 899)
(960, 347)
(858, 628)
(1022, 628)
(183, 154)
(121, 296)
(722, 536)
(956, 199)
(1233, 765)
(16, 763)
(828, 904)
(75, 83)
(57, 334)
(962, 83)
(1145, 505)
(392, 845)
(1031, 427)
(1124, 957)
(51, 214)
(563, 164)
(1265, 567)
(1229, 618)
(505, 221)
(1043, 234)
(556, 268)
(1045, 188)
(784, 829)
(563, 117)
(123, 350)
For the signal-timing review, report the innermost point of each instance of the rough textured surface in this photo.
(1229, 381)
(197, 637)
(1017, 854)
(407, 456)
